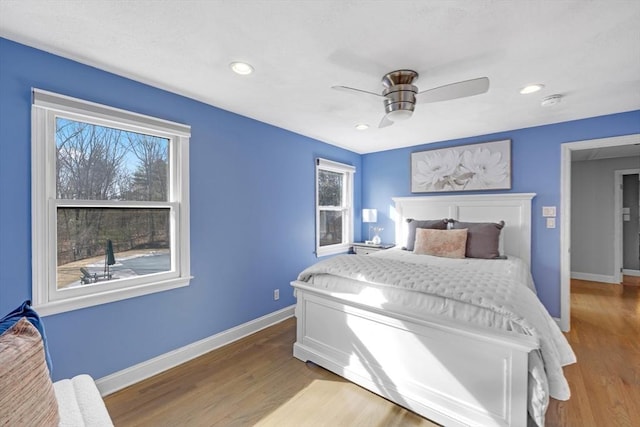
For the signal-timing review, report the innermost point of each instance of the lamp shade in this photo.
(369, 215)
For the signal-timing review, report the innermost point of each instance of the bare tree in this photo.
(89, 161)
(150, 178)
(89, 167)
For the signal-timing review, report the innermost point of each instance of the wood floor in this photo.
(256, 381)
(605, 335)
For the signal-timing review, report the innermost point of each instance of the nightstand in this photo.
(366, 249)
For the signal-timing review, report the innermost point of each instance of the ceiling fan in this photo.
(400, 95)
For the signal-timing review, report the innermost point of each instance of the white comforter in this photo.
(492, 293)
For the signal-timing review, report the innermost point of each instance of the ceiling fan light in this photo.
(399, 115)
(531, 88)
(241, 68)
(362, 126)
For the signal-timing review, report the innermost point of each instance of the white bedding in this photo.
(490, 293)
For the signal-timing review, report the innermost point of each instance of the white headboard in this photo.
(512, 208)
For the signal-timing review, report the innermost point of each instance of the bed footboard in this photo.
(450, 373)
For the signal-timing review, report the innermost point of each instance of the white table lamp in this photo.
(371, 216)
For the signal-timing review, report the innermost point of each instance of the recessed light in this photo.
(531, 89)
(241, 68)
(362, 126)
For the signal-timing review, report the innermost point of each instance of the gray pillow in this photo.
(434, 224)
(483, 238)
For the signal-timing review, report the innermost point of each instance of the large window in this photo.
(334, 207)
(110, 204)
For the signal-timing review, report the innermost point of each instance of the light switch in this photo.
(551, 223)
(626, 217)
(626, 211)
(548, 211)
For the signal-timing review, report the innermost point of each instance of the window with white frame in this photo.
(110, 204)
(334, 207)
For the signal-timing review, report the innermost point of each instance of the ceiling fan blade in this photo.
(385, 122)
(354, 90)
(454, 90)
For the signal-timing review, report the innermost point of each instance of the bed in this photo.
(458, 358)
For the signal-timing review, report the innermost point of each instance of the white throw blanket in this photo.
(513, 303)
(80, 403)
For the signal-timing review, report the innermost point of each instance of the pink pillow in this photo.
(443, 243)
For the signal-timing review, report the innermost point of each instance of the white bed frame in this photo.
(447, 371)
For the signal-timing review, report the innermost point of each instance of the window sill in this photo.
(70, 304)
(332, 250)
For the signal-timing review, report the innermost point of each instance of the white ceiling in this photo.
(629, 150)
(588, 51)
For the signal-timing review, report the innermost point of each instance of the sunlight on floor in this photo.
(319, 399)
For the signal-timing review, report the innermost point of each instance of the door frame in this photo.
(618, 255)
(565, 213)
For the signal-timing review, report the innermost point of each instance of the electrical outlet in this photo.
(276, 294)
(551, 223)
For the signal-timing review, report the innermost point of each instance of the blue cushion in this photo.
(25, 310)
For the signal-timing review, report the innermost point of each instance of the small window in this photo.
(110, 204)
(334, 207)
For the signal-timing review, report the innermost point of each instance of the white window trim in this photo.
(323, 164)
(45, 296)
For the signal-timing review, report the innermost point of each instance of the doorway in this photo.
(628, 221)
(628, 145)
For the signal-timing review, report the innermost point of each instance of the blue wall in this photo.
(252, 217)
(535, 155)
(252, 211)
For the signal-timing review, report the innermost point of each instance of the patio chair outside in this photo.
(109, 260)
(87, 277)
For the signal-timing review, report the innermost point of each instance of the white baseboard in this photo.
(558, 322)
(594, 277)
(627, 272)
(126, 377)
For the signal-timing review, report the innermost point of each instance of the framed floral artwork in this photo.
(485, 166)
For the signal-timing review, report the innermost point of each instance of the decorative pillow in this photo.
(27, 396)
(25, 310)
(483, 238)
(438, 224)
(443, 243)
